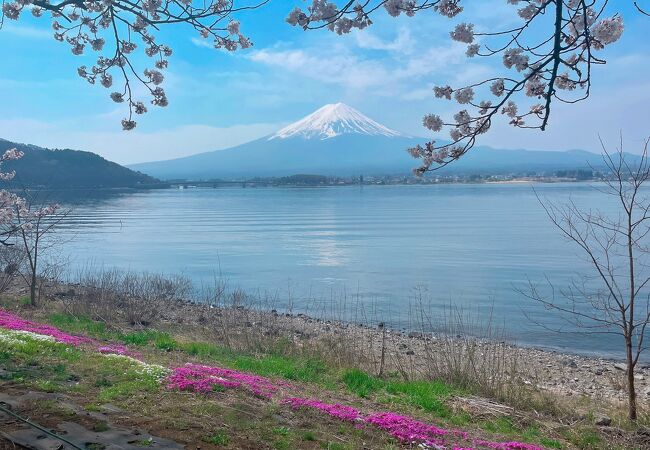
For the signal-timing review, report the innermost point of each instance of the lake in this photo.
(467, 245)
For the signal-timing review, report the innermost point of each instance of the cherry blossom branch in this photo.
(641, 10)
(15, 213)
(554, 67)
(90, 23)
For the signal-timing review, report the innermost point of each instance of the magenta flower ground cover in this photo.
(204, 379)
(116, 349)
(406, 429)
(336, 410)
(12, 322)
(198, 378)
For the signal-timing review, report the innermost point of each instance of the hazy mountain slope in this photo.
(339, 140)
(41, 167)
(342, 155)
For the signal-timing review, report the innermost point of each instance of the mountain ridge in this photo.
(65, 168)
(337, 140)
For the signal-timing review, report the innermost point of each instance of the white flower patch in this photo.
(155, 371)
(152, 370)
(18, 338)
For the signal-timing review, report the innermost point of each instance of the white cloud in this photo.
(136, 146)
(200, 42)
(342, 66)
(403, 43)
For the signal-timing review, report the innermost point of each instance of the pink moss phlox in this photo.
(12, 322)
(507, 445)
(336, 410)
(117, 349)
(403, 428)
(198, 378)
(407, 429)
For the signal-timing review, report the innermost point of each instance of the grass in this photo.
(501, 425)
(118, 382)
(83, 325)
(585, 438)
(551, 443)
(297, 369)
(219, 438)
(281, 431)
(360, 383)
(429, 396)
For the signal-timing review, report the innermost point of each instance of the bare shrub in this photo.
(612, 299)
(137, 298)
(11, 257)
(346, 331)
(470, 353)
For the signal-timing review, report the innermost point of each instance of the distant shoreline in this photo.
(252, 183)
(273, 183)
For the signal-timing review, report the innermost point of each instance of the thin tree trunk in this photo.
(628, 338)
(32, 289)
(631, 391)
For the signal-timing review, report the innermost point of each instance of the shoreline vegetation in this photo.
(494, 391)
(308, 180)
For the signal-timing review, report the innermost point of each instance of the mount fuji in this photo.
(334, 120)
(338, 140)
(333, 140)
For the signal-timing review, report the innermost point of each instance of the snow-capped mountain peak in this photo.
(333, 120)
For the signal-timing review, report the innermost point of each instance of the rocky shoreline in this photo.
(561, 373)
(564, 374)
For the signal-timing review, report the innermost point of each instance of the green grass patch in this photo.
(585, 438)
(362, 384)
(219, 438)
(551, 443)
(48, 386)
(205, 350)
(124, 389)
(427, 395)
(164, 342)
(79, 324)
(501, 425)
(281, 431)
(308, 436)
(275, 365)
(140, 338)
(282, 444)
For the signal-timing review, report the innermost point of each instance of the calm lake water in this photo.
(470, 246)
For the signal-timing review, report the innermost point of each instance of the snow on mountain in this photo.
(334, 120)
(338, 140)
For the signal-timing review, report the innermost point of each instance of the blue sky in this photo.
(218, 99)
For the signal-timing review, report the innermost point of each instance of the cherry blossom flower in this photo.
(112, 26)
(433, 122)
(464, 95)
(443, 92)
(464, 32)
